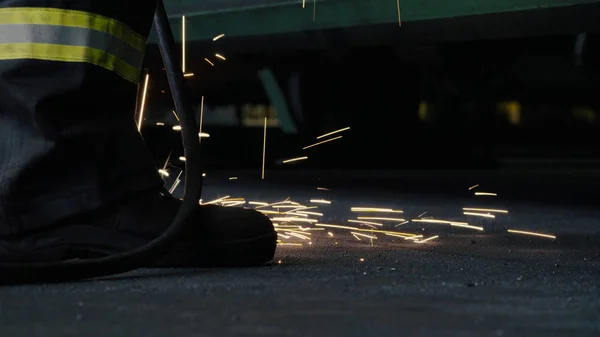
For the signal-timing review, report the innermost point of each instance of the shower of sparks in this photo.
(474, 186)
(183, 43)
(188, 75)
(218, 37)
(489, 210)
(484, 215)
(220, 56)
(486, 193)
(264, 152)
(320, 201)
(333, 132)
(321, 142)
(549, 236)
(209, 62)
(374, 209)
(294, 159)
(143, 104)
(398, 7)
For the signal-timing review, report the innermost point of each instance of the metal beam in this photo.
(208, 18)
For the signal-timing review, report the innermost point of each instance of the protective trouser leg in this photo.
(68, 79)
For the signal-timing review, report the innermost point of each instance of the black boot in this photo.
(214, 236)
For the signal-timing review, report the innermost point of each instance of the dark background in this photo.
(426, 95)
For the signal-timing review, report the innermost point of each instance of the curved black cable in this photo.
(74, 270)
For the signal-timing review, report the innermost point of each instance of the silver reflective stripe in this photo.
(71, 36)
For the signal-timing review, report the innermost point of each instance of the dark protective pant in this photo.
(68, 141)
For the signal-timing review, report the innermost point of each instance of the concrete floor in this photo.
(464, 283)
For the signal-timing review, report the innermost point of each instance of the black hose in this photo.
(73, 270)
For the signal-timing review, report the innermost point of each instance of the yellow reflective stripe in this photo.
(71, 18)
(66, 53)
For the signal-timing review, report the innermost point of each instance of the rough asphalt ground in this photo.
(464, 283)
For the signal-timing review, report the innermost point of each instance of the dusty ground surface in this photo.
(462, 283)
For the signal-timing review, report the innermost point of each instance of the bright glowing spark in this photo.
(204, 135)
(356, 229)
(201, 118)
(209, 62)
(362, 259)
(218, 37)
(490, 210)
(264, 150)
(320, 201)
(163, 172)
(364, 235)
(143, 104)
(303, 3)
(160, 124)
(204, 174)
(322, 189)
(372, 209)
(294, 159)
(463, 225)
(379, 218)
(175, 114)
(439, 221)
(333, 132)
(486, 193)
(232, 203)
(483, 215)
(259, 203)
(167, 161)
(398, 6)
(294, 219)
(308, 213)
(176, 183)
(176, 127)
(188, 75)
(289, 244)
(549, 236)
(330, 234)
(474, 186)
(403, 223)
(321, 142)
(264, 211)
(420, 215)
(220, 56)
(366, 222)
(183, 43)
(300, 236)
(233, 178)
(428, 239)
(216, 201)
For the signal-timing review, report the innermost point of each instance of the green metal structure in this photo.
(205, 19)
